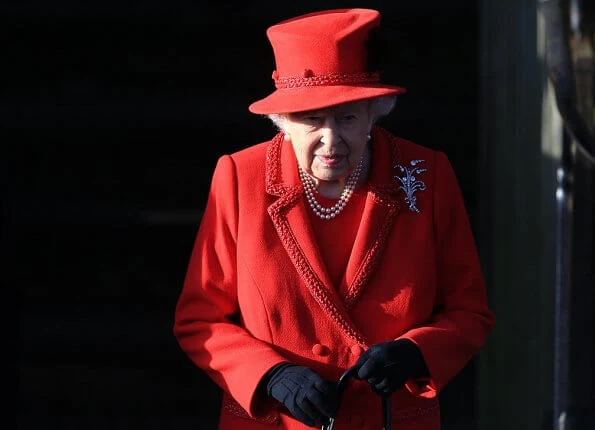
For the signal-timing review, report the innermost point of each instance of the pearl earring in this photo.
(368, 137)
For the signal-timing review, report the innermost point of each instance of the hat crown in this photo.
(323, 43)
(321, 60)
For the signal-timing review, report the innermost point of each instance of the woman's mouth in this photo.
(331, 160)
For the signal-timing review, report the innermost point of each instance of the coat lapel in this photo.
(291, 210)
(291, 220)
(380, 211)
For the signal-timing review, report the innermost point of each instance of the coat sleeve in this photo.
(205, 325)
(461, 320)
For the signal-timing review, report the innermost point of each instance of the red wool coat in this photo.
(257, 293)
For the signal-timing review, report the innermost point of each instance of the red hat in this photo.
(321, 61)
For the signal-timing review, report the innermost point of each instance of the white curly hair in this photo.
(379, 107)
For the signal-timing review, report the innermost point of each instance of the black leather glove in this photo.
(388, 365)
(308, 397)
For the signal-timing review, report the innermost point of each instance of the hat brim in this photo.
(301, 99)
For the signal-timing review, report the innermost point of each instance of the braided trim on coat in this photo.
(400, 416)
(232, 407)
(273, 167)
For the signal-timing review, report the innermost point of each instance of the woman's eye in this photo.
(313, 119)
(347, 118)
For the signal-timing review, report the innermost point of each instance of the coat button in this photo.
(356, 350)
(321, 350)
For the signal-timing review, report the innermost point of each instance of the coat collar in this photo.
(290, 218)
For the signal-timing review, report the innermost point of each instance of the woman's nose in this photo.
(329, 134)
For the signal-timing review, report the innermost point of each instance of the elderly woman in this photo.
(333, 246)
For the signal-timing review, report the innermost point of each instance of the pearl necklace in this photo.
(333, 211)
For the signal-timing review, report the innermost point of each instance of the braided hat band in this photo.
(309, 80)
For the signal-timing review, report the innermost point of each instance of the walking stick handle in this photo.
(342, 383)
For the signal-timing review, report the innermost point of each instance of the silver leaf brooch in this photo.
(410, 184)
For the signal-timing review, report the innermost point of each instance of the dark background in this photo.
(119, 111)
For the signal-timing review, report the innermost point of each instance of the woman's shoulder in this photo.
(247, 165)
(409, 150)
(251, 157)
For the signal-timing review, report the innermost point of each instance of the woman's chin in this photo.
(331, 177)
(331, 173)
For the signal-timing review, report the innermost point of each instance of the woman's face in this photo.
(329, 143)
